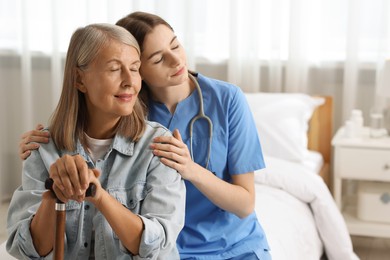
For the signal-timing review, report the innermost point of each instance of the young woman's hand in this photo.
(72, 177)
(174, 153)
(237, 197)
(29, 141)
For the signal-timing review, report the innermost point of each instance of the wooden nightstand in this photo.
(359, 160)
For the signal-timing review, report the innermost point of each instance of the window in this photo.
(324, 30)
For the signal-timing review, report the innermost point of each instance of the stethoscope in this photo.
(200, 115)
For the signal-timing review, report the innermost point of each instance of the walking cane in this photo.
(59, 242)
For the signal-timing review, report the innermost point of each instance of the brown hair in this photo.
(139, 24)
(70, 117)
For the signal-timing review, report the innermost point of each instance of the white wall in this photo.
(12, 107)
(325, 80)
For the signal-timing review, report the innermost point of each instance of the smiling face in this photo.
(163, 59)
(111, 83)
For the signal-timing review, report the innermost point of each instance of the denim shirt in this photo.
(132, 175)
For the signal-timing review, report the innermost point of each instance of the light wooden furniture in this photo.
(357, 160)
(320, 135)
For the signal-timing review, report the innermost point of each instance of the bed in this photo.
(293, 199)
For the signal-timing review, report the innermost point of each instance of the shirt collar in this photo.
(122, 144)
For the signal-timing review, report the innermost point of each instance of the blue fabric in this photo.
(132, 175)
(210, 232)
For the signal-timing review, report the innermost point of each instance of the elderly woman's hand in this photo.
(71, 177)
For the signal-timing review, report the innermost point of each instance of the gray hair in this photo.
(69, 118)
(91, 39)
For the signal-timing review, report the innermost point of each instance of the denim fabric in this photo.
(132, 175)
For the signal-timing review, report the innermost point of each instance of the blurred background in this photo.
(328, 47)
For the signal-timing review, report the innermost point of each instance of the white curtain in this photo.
(331, 47)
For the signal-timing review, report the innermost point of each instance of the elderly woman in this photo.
(99, 135)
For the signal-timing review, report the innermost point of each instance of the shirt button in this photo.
(86, 207)
(85, 244)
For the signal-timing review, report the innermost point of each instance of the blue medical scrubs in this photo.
(209, 231)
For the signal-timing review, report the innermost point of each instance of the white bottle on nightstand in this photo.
(354, 126)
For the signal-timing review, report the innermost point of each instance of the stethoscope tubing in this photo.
(200, 115)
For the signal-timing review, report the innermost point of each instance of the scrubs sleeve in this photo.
(245, 153)
(23, 206)
(162, 212)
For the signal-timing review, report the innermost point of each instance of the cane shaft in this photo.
(59, 242)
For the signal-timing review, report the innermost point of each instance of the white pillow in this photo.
(282, 122)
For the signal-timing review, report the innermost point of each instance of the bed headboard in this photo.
(320, 135)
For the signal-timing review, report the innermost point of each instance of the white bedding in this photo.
(298, 213)
(313, 161)
(294, 206)
(288, 224)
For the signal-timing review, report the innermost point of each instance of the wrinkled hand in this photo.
(30, 139)
(174, 153)
(71, 177)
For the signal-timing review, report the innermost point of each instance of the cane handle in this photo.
(91, 191)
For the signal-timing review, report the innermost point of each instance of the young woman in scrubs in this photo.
(220, 221)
